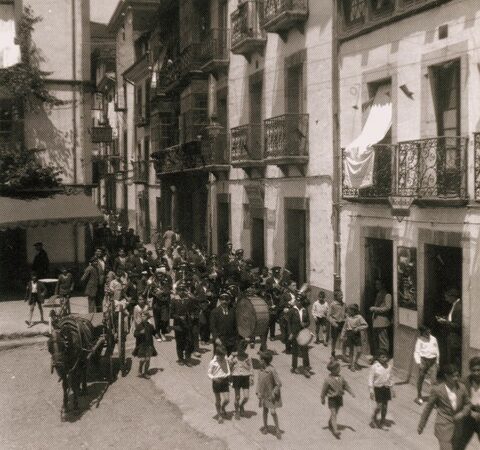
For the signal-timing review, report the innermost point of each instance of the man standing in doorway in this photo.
(41, 262)
(381, 312)
(452, 327)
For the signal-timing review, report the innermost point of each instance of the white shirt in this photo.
(320, 310)
(380, 376)
(34, 287)
(299, 313)
(452, 396)
(426, 349)
(475, 396)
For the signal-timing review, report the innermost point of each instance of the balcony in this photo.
(247, 147)
(382, 186)
(176, 72)
(476, 141)
(140, 172)
(362, 16)
(248, 36)
(215, 51)
(279, 16)
(215, 152)
(286, 141)
(141, 120)
(433, 170)
(102, 134)
(179, 158)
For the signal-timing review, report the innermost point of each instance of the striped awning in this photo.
(37, 212)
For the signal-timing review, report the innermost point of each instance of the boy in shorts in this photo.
(334, 388)
(219, 373)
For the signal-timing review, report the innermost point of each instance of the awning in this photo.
(359, 154)
(60, 208)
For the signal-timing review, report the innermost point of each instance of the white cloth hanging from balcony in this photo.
(9, 51)
(360, 153)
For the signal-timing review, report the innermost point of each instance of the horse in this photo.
(69, 345)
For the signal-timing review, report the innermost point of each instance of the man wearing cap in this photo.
(35, 295)
(181, 314)
(272, 290)
(297, 320)
(90, 281)
(227, 257)
(160, 290)
(223, 325)
(41, 262)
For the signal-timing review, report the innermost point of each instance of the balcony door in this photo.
(449, 148)
(256, 116)
(294, 89)
(296, 244)
(223, 225)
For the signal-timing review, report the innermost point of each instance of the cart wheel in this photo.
(122, 337)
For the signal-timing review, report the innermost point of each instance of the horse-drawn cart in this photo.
(78, 339)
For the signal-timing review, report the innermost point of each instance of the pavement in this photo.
(302, 417)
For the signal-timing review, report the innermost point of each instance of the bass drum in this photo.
(252, 316)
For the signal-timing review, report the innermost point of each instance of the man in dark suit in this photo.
(297, 320)
(90, 281)
(181, 312)
(223, 325)
(35, 295)
(41, 262)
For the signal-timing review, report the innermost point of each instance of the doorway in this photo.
(223, 226)
(258, 241)
(296, 244)
(13, 261)
(443, 272)
(378, 265)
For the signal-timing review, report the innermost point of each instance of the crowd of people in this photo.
(181, 285)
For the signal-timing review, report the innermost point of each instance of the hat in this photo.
(229, 243)
(276, 269)
(38, 244)
(161, 269)
(144, 272)
(224, 296)
(239, 251)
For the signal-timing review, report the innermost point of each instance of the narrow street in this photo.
(129, 414)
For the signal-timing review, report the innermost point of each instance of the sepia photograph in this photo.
(240, 224)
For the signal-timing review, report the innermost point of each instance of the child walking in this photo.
(144, 348)
(269, 392)
(381, 388)
(241, 368)
(334, 387)
(320, 313)
(351, 333)
(219, 372)
(427, 356)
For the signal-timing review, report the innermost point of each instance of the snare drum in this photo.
(304, 337)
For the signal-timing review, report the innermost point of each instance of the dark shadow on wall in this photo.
(42, 133)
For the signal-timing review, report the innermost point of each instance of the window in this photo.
(294, 89)
(139, 101)
(381, 7)
(355, 11)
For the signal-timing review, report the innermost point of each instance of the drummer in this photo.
(298, 335)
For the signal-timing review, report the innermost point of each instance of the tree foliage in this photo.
(26, 84)
(26, 81)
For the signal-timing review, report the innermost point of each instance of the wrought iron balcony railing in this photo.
(247, 145)
(102, 134)
(179, 158)
(382, 186)
(281, 15)
(140, 171)
(215, 50)
(286, 139)
(215, 151)
(433, 168)
(359, 16)
(175, 71)
(247, 33)
(476, 141)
